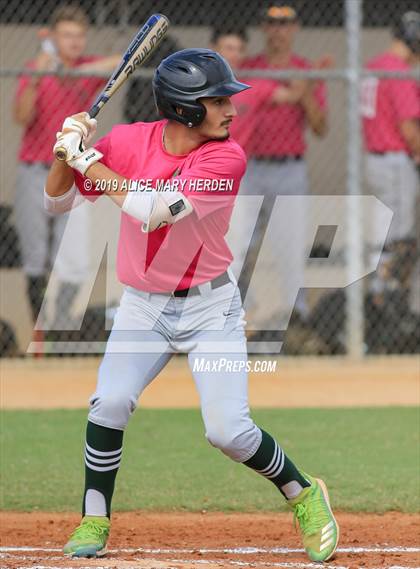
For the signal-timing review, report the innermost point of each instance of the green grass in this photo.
(369, 457)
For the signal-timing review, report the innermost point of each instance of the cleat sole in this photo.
(327, 499)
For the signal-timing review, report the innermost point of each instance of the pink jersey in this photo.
(56, 99)
(248, 104)
(280, 128)
(193, 250)
(386, 103)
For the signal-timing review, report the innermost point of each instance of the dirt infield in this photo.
(209, 540)
(297, 382)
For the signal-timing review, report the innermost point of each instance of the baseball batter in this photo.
(180, 295)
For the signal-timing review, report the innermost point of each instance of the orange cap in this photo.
(280, 14)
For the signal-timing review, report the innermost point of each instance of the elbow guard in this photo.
(169, 207)
(63, 203)
(156, 209)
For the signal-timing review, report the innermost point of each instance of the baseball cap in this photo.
(407, 29)
(281, 14)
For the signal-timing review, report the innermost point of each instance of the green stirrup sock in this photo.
(271, 462)
(102, 459)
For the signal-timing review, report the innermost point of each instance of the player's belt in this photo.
(279, 159)
(219, 281)
(385, 152)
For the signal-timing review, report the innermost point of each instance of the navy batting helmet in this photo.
(407, 29)
(185, 76)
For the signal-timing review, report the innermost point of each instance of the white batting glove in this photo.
(71, 142)
(81, 124)
(78, 157)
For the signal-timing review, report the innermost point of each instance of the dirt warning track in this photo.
(306, 382)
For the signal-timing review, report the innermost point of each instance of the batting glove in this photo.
(82, 124)
(78, 157)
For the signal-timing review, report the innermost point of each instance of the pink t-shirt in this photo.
(193, 250)
(280, 128)
(248, 104)
(56, 99)
(386, 103)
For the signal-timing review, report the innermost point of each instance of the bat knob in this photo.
(61, 154)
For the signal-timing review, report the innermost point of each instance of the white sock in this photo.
(292, 489)
(95, 504)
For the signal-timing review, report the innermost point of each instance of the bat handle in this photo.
(61, 154)
(94, 110)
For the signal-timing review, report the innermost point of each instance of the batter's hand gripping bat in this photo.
(142, 46)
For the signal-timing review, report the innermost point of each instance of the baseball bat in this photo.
(141, 47)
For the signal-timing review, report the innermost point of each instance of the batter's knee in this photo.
(239, 441)
(112, 411)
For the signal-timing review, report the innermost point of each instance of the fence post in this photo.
(354, 292)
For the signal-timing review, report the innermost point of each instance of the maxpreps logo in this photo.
(148, 45)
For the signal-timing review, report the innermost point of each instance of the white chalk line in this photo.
(296, 564)
(286, 564)
(189, 562)
(16, 553)
(208, 562)
(234, 550)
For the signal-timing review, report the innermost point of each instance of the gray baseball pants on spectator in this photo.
(392, 178)
(45, 240)
(32, 222)
(286, 246)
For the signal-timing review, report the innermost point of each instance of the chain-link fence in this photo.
(331, 121)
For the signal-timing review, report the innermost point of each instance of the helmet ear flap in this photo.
(190, 114)
(195, 114)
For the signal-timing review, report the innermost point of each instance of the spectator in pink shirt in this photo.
(40, 106)
(231, 43)
(277, 167)
(391, 113)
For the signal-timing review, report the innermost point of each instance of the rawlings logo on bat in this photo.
(146, 50)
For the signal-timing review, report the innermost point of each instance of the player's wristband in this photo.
(85, 160)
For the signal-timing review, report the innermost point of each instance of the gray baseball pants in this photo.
(148, 329)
